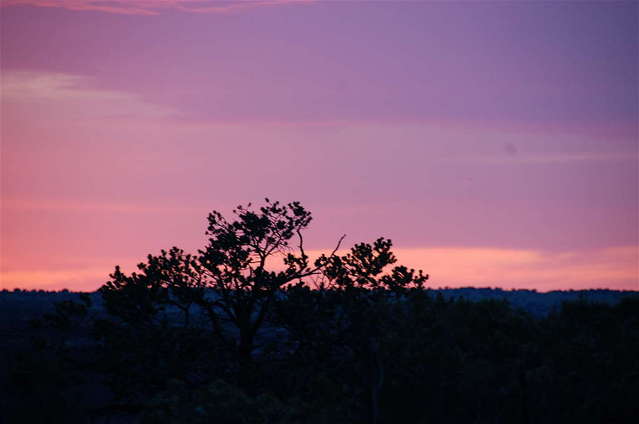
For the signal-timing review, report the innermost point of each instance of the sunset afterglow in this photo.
(496, 143)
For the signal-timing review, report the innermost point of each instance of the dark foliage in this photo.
(231, 335)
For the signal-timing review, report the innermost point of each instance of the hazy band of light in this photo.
(453, 267)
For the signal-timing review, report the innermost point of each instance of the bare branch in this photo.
(341, 239)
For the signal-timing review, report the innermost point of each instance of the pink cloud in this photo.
(154, 7)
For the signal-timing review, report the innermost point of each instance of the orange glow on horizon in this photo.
(616, 268)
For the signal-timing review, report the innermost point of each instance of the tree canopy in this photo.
(246, 261)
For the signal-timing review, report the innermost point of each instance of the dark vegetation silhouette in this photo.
(251, 330)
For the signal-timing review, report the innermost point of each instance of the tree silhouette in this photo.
(357, 311)
(234, 279)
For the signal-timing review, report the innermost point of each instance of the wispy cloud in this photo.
(154, 7)
(73, 94)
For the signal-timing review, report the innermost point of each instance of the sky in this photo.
(496, 143)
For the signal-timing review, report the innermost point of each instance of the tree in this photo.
(234, 279)
(253, 270)
(357, 311)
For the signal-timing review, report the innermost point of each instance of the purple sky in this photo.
(497, 143)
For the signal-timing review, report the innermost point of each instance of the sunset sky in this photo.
(496, 143)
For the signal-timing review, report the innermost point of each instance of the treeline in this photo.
(25, 304)
(224, 336)
(337, 357)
